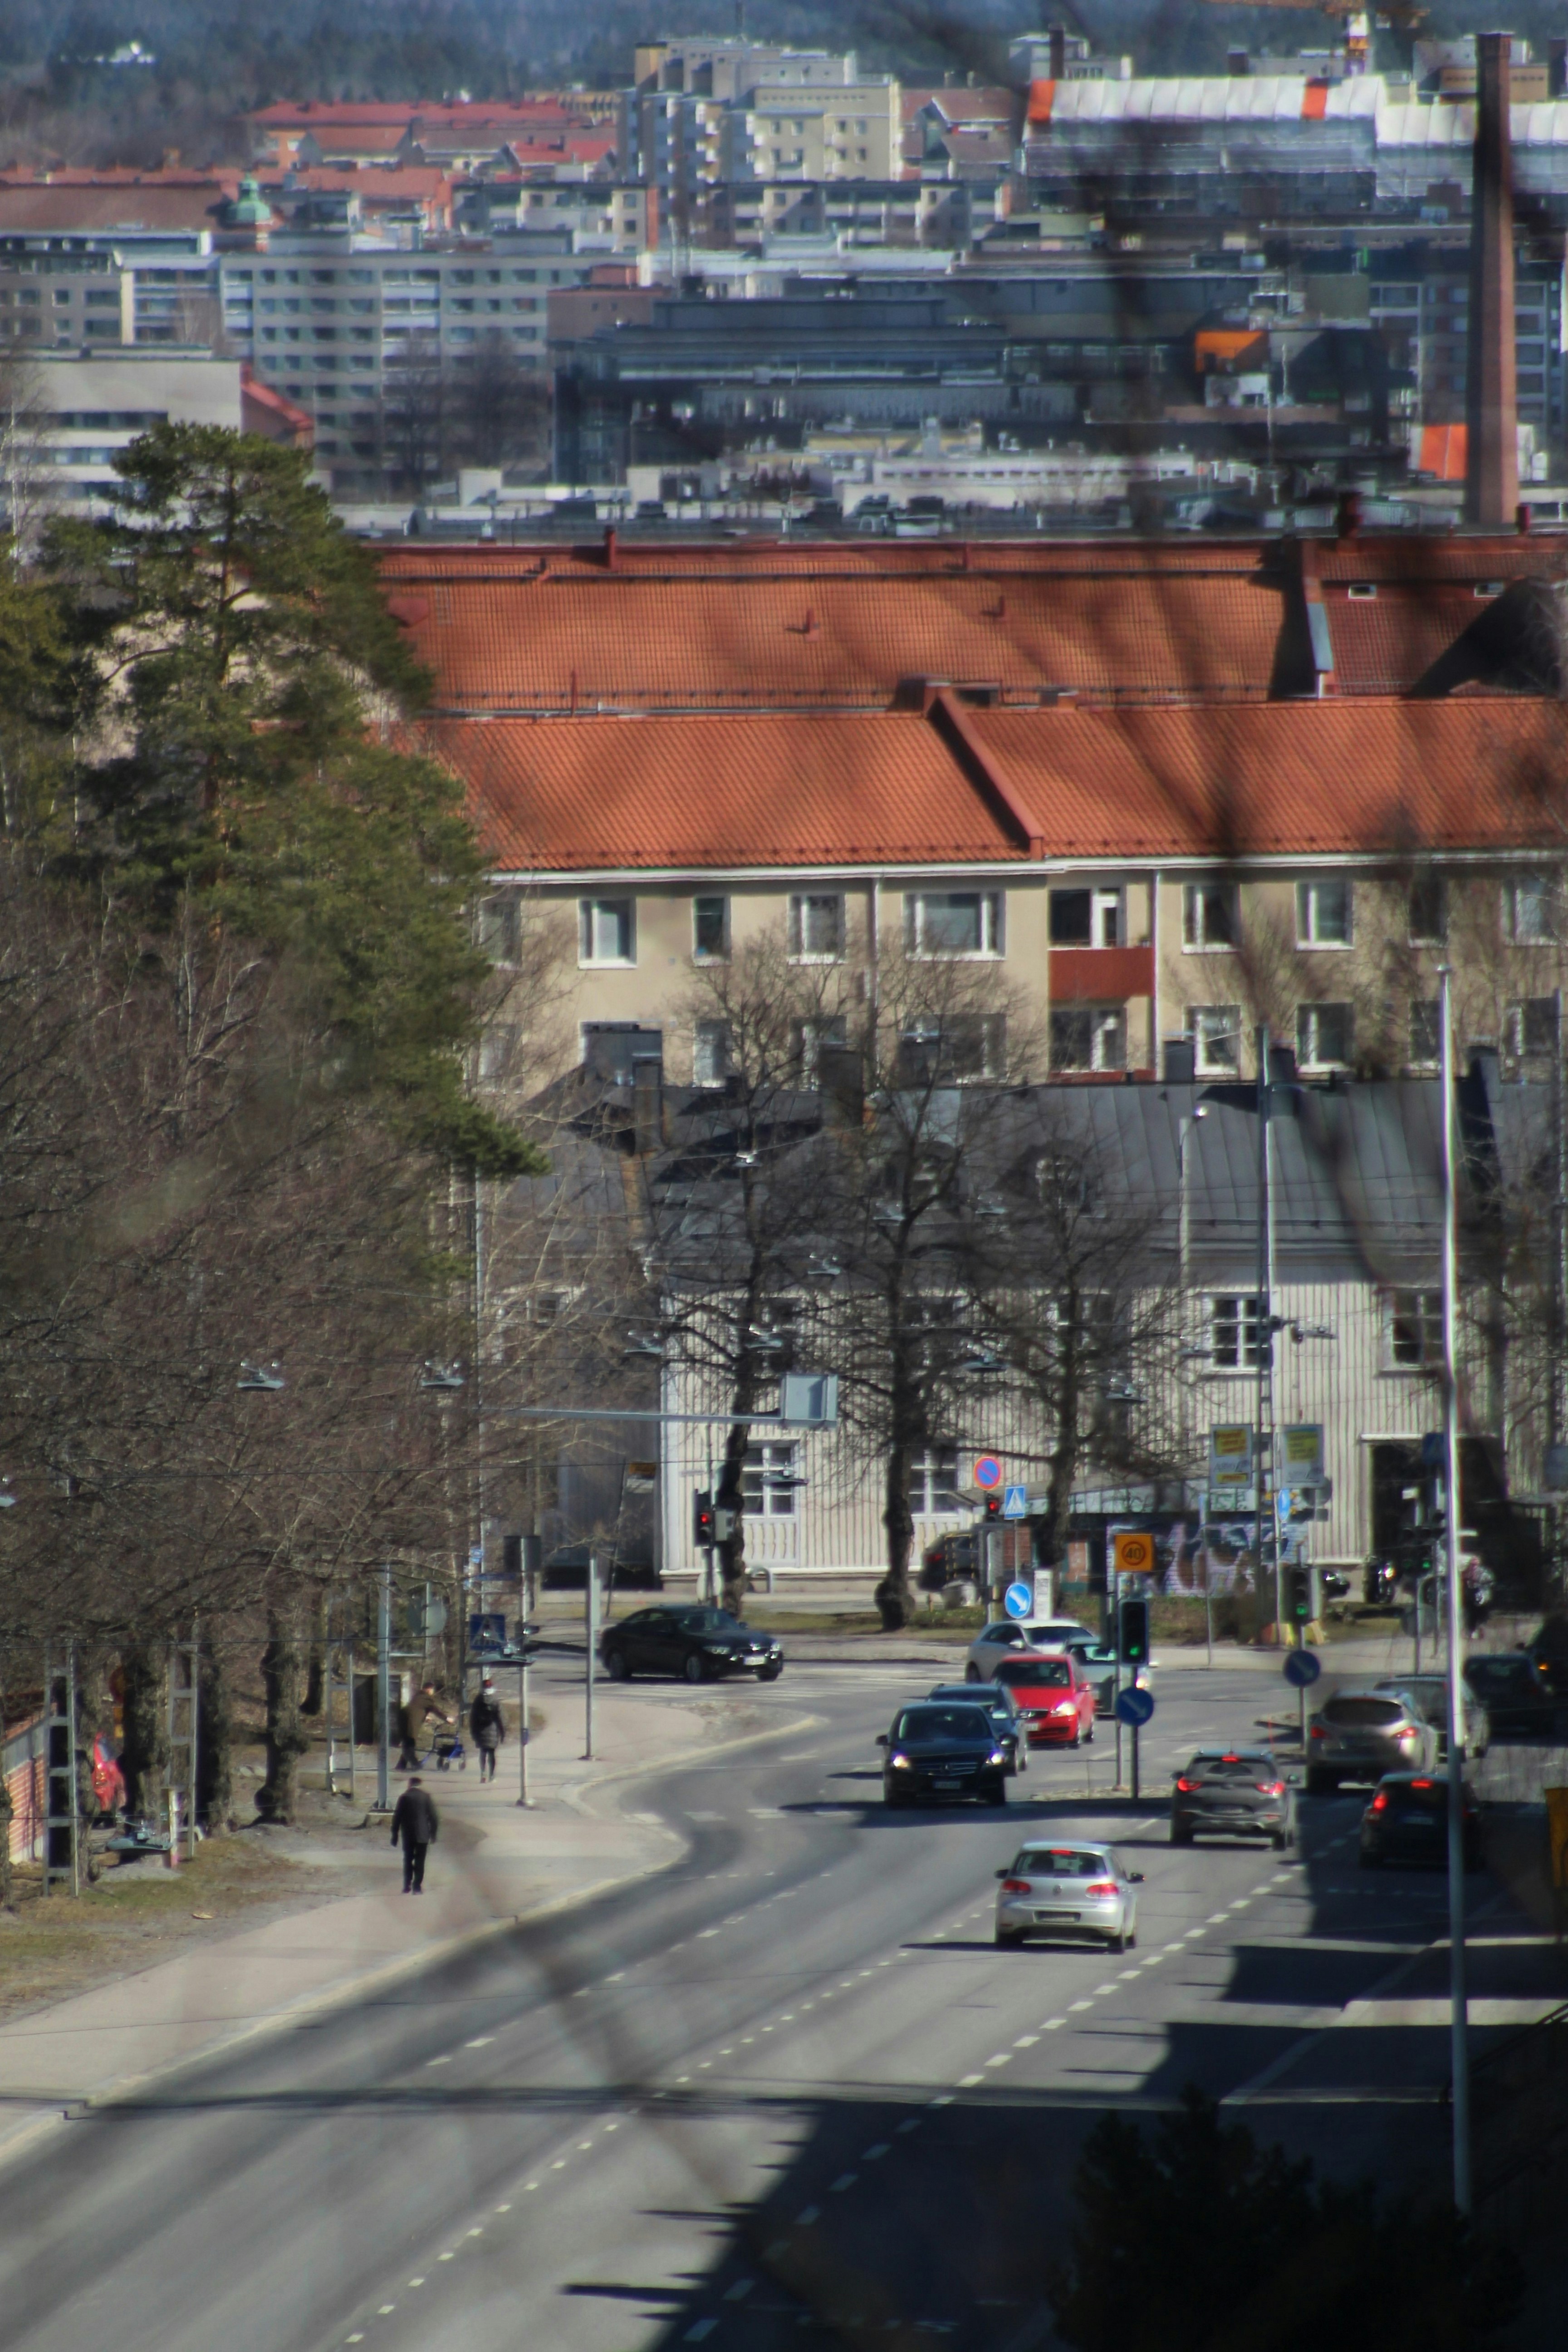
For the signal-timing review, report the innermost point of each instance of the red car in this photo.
(1054, 1702)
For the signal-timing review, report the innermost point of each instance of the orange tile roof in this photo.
(827, 628)
(724, 793)
(569, 794)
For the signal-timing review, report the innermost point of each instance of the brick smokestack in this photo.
(1491, 453)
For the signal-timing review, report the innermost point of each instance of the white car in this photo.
(1070, 1893)
(1004, 1634)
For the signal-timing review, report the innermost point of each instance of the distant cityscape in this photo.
(764, 287)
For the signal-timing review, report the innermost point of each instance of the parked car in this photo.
(1055, 1699)
(1074, 1893)
(1430, 1694)
(1549, 1649)
(1407, 1821)
(1005, 1634)
(1003, 1709)
(566, 1570)
(1362, 1735)
(949, 1750)
(1232, 1793)
(698, 1643)
(1513, 1689)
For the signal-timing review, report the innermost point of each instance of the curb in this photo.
(407, 1964)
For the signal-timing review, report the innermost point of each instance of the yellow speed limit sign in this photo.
(1134, 1553)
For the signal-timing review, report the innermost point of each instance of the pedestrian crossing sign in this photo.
(1015, 1502)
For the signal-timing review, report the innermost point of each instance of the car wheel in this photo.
(1116, 1943)
(1280, 1841)
(971, 1671)
(694, 1670)
(1009, 1940)
(997, 1794)
(1179, 1835)
(617, 1668)
(1132, 1940)
(1089, 1736)
(1077, 1739)
(771, 1674)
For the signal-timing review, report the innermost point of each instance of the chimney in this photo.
(1058, 37)
(647, 1101)
(1180, 1061)
(609, 546)
(1491, 460)
(1557, 68)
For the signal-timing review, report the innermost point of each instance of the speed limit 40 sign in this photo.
(1133, 1552)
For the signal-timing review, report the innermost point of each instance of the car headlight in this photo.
(900, 1764)
(996, 1757)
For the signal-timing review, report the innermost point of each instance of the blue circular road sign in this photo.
(987, 1471)
(1018, 1600)
(1134, 1706)
(1303, 1668)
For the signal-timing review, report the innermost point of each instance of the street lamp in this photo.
(983, 1364)
(266, 1377)
(444, 1379)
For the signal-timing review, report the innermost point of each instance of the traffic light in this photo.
(1296, 1582)
(703, 1534)
(1133, 1632)
(992, 1506)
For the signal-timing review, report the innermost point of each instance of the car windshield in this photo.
(1036, 1674)
(1499, 1674)
(924, 1723)
(1364, 1714)
(707, 1621)
(1063, 1861)
(1227, 1768)
(1094, 1654)
(960, 1695)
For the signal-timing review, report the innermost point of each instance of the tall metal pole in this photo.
(384, 1691)
(1460, 2064)
(1263, 1334)
(194, 1753)
(591, 1630)
(522, 1795)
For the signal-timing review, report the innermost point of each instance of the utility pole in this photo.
(1458, 2022)
(591, 1631)
(384, 1691)
(1263, 1330)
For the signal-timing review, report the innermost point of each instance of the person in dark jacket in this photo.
(489, 1729)
(416, 1715)
(418, 1825)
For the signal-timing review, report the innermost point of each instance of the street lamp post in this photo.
(1183, 1261)
(1458, 2018)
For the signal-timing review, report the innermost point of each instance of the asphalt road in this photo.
(788, 2092)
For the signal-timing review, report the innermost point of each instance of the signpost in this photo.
(1134, 1706)
(1303, 1668)
(1132, 1554)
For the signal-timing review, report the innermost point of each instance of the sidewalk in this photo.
(493, 1865)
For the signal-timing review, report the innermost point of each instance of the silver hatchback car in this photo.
(1075, 1894)
(1361, 1735)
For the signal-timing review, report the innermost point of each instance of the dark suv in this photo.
(696, 1643)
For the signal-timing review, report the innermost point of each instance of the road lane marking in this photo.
(480, 2041)
(807, 2215)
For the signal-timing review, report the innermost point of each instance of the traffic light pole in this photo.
(1459, 2007)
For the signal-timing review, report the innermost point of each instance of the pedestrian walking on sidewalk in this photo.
(415, 1715)
(418, 1825)
(488, 1727)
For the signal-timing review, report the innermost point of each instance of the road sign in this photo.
(1230, 1456)
(1018, 1600)
(1134, 1552)
(1015, 1502)
(1303, 1668)
(987, 1471)
(1134, 1706)
(1301, 1453)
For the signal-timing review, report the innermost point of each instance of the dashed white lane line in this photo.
(480, 2041)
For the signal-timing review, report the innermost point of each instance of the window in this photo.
(954, 1052)
(1532, 910)
(817, 927)
(1425, 1034)
(606, 933)
(1086, 919)
(934, 1482)
(1413, 1330)
(1233, 1332)
(1089, 1037)
(1215, 1033)
(1533, 1027)
(810, 1038)
(770, 1481)
(1322, 914)
(1428, 911)
(953, 922)
(1210, 916)
(1324, 1035)
(710, 929)
(501, 930)
(711, 1054)
(498, 1049)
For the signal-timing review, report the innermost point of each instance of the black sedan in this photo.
(942, 1750)
(1232, 1793)
(1002, 1707)
(698, 1643)
(1512, 1688)
(1407, 1821)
